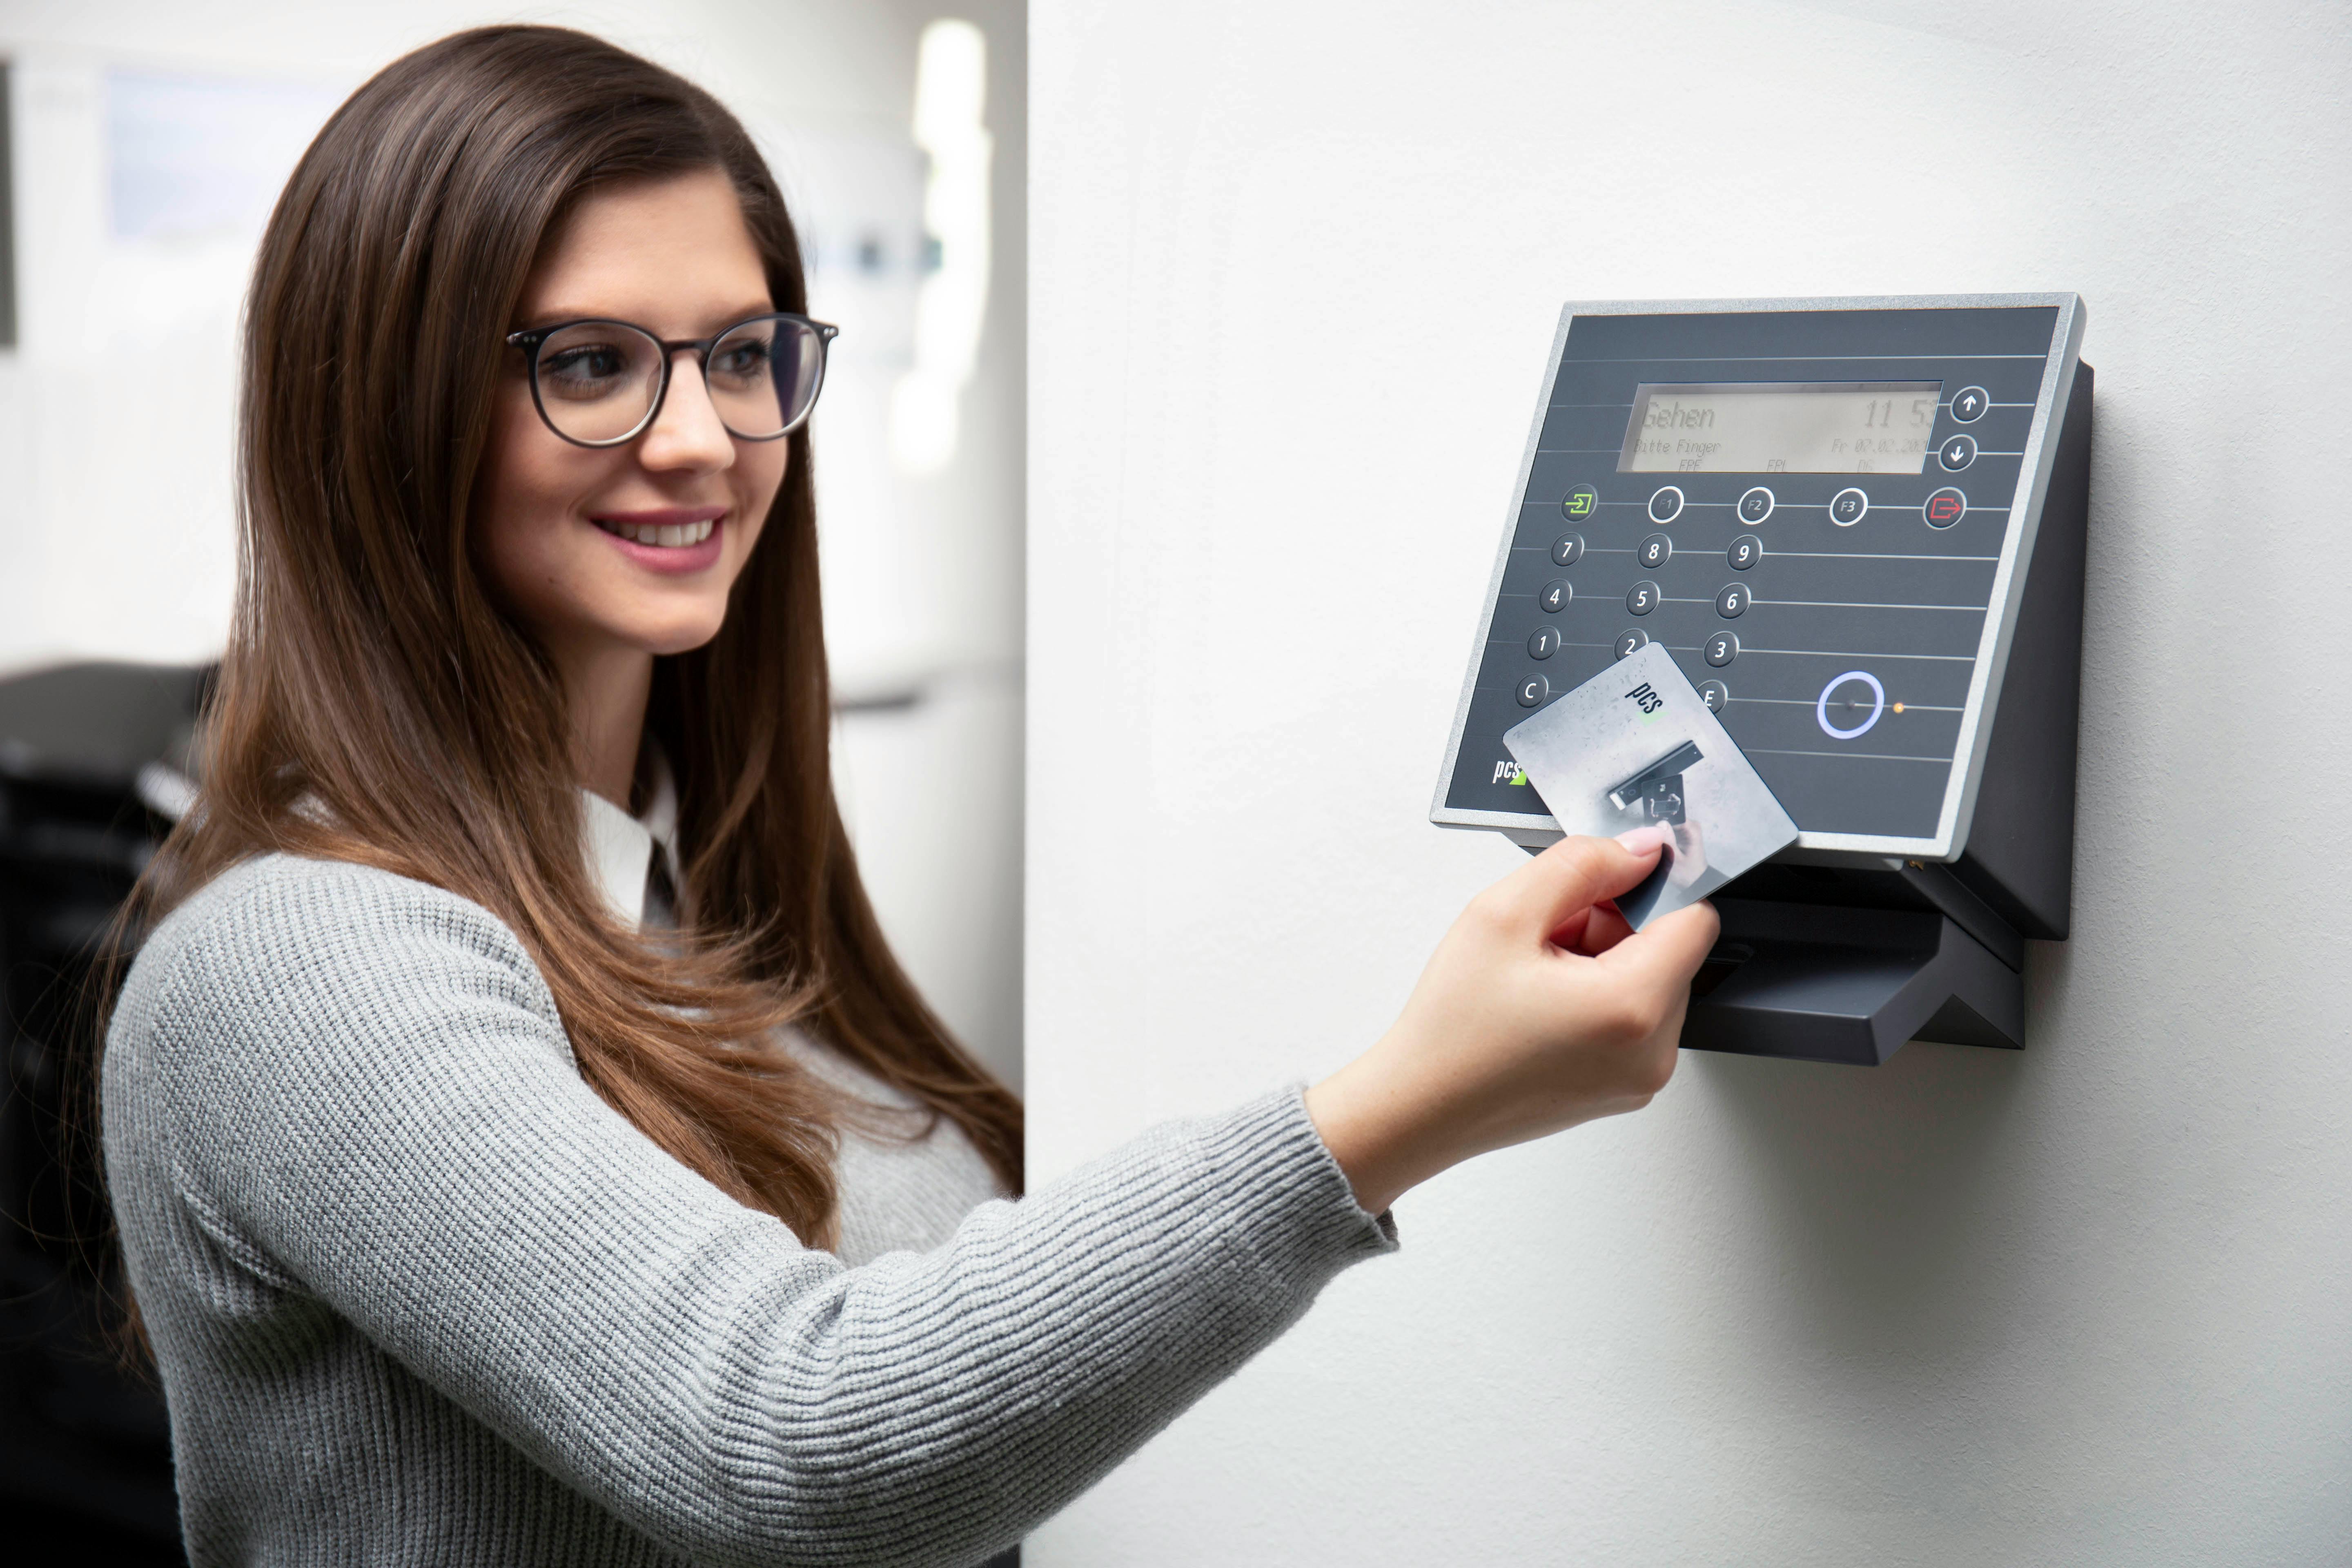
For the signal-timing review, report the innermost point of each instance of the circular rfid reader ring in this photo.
(1877, 704)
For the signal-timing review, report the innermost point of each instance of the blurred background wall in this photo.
(1299, 263)
(146, 141)
(149, 139)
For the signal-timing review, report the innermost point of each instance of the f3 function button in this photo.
(1555, 595)
(1665, 504)
(1848, 506)
(1957, 452)
(1581, 503)
(1969, 403)
(1532, 691)
(1756, 506)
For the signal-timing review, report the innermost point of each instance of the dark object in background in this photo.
(94, 764)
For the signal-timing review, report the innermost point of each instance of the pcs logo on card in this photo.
(1647, 697)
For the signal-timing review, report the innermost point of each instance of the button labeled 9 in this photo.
(1745, 551)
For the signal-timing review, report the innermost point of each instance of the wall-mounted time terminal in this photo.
(1858, 526)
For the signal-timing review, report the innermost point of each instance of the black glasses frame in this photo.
(531, 339)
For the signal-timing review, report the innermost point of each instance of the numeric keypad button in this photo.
(1543, 642)
(1755, 505)
(1630, 641)
(1715, 694)
(1568, 550)
(1665, 504)
(1720, 649)
(1654, 551)
(1554, 596)
(1731, 603)
(1745, 551)
(1643, 598)
(1532, 691)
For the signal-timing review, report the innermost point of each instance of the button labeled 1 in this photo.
(1544, 642)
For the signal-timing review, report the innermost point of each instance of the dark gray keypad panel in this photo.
(1890, 592)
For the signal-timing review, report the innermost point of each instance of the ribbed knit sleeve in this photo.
(332, 1085)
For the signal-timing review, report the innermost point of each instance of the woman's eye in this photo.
(584, 370)
(739, 363)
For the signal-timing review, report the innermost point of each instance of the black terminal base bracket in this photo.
(1822, 982)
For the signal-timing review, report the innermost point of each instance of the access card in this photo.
(1635, 746)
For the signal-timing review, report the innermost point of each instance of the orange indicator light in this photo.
(1898, 708)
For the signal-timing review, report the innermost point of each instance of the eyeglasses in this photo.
(601, 383)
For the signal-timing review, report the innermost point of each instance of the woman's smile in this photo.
(668, 539)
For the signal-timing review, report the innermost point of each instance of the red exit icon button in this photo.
(1944, 508)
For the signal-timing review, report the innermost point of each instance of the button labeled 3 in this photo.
(1720, 649)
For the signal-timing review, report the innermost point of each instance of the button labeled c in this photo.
(1877, 705)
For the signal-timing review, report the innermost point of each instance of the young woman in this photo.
(524, 1146)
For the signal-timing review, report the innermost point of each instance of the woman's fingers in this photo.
(1573, 875)
(1667, 952)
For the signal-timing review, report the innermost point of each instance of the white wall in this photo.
(117, 409)
(1298, 265)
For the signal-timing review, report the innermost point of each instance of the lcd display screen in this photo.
(1780, 427)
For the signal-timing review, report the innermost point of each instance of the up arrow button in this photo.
(1969, 404)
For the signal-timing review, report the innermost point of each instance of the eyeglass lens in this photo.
(597, 380)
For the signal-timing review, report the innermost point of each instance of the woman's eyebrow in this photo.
(718, 322)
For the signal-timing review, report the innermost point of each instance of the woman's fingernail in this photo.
(1641, 840)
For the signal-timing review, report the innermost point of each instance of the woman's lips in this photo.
(678, 542)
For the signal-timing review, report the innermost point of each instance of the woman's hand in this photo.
(1539, 1010)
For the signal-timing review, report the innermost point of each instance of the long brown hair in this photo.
(370, 669)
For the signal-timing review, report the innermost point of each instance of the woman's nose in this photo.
(687, 433)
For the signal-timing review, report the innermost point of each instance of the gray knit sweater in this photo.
(419, 1295)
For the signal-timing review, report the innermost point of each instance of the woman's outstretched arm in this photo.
(337, 1088)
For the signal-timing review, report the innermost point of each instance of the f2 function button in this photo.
(1969, 403)
(1756, 506)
